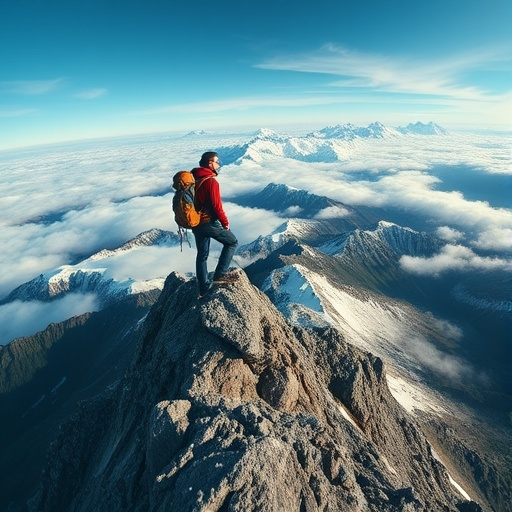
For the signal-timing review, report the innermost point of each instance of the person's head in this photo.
(210, 160)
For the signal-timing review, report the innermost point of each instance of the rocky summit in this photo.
(227, 407)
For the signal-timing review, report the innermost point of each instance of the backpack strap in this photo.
(198, 184)
(202, 181)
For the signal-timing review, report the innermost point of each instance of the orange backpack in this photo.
(185, 213)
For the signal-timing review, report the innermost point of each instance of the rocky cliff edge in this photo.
(227, 407)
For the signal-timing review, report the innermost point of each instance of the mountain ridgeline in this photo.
(330, 144)
(227, 407)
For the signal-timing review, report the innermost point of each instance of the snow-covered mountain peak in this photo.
(291, 292)
(95, 274)
(384, 238)
(296, 228)
(196, 133)
(350, 132)
(379, 131)
(303, 231)
(267, 134)
(384, 224)
(153, 237)
(346, 131)
(423, 129)
(280, 197)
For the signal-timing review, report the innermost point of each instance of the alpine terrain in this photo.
(335, 374)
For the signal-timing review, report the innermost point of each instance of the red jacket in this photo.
(208, 199)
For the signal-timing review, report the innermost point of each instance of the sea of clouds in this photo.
(60, 204)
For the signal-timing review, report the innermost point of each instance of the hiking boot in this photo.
(226, 279)
(205, 292)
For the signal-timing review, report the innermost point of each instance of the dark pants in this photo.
(203, 234)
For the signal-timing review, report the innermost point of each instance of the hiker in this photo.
(213, 224)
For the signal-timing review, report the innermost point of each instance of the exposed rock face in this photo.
(226, 407)
(44, 376)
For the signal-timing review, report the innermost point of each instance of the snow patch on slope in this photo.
(291, 292)
(389, 329)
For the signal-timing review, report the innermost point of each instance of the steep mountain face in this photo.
(383, 238)
(304, 205)
(227, 407)
(373, 255)
(312, 232)
(450, 364)
(264, 143)
(153, 237)
(365, 257)
(43, 377)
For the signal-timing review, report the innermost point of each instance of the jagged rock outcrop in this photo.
(227, 407)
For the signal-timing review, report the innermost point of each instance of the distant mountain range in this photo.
(377, 131)
(327, 145)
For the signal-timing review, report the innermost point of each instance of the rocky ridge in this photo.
(228, 407)
(90, 275)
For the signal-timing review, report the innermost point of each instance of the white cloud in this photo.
(332, 212)
(452, 257)
(92, 94)
(448, 329)
(17, 112)
(249, 223)
(30, 87)
(62, 203)
(146, 263)
(439, 77)
(495, 239)
(426, 354)
(292, 211)
(449, 234)
(245, 103)
(442, 85)
(19, 319)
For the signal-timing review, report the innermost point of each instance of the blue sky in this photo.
(83, 69)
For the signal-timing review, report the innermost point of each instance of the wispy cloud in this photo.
(448, 84)
(30, 87)
(452, 257)
(332, 212)
(246, 103)
(439, 77)
(20, 112)
(495, 238)
(449, 234)
(312, 98)
(25, 318)
(92, 94)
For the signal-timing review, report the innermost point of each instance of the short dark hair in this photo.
(207, 158)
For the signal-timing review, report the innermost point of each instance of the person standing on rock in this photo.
(213, 224)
